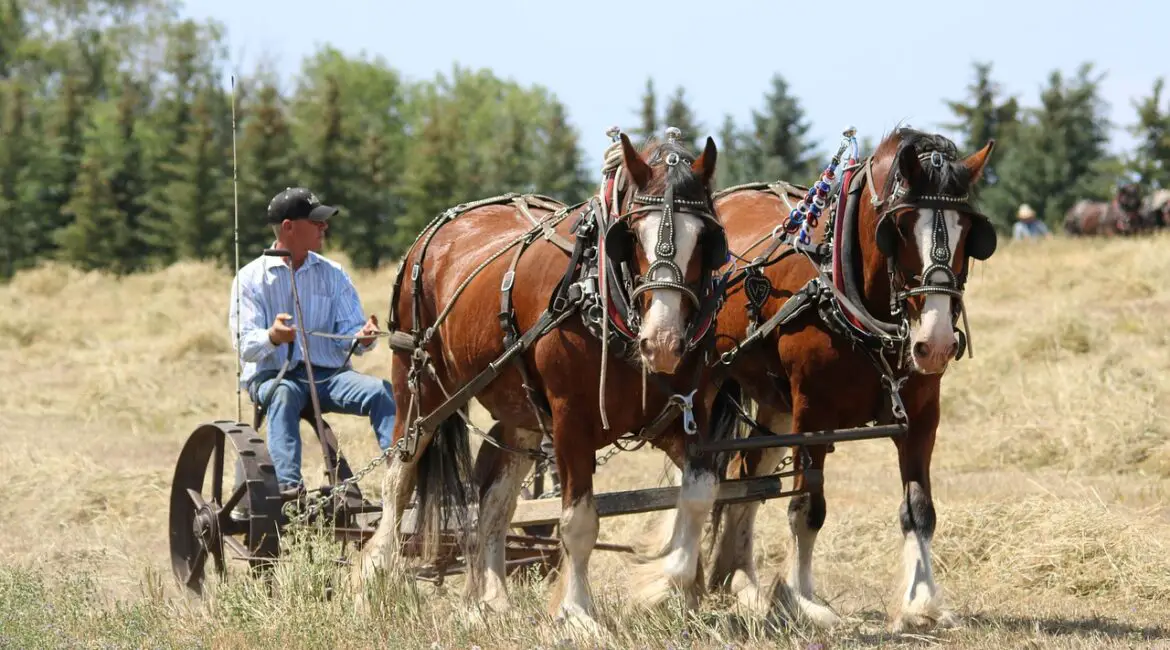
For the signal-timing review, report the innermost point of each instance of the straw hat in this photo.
(1025, 212)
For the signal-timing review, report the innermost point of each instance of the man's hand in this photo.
(281, 331)
(367, 331)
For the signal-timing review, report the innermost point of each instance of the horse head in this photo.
(925, 228)
(667, 233)
(1129, 197)
(1129, 203)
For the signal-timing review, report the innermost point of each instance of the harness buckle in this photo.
(897, 407)
(686, 404)
(509, 279)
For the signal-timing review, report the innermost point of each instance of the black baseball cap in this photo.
(298, 203)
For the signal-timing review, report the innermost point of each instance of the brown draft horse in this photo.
(659, 253)
(1121, 216)
(815, 370)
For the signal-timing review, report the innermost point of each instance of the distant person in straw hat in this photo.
(1028, 226)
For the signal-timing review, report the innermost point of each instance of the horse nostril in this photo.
(644, 346)
(954, 349)
(678, 347)
(921, 349)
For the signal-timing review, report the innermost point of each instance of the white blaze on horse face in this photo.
(661, 339)
(932, 341)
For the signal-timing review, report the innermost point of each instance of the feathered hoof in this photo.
(924, 619)
(799, 609)
(582, 627)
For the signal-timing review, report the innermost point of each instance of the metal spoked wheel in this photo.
(201, 522)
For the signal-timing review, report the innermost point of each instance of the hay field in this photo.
(1051, 475)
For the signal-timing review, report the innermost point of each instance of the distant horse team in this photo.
(1128, 213)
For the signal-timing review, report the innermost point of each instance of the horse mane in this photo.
(685, 182)
(952, 177)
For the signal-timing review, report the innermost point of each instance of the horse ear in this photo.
(908, 165)
(637, 168)
(978, 160)
(705, 165)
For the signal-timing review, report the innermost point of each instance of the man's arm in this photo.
(254, 343)
(350, 319)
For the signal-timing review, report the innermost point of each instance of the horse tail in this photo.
(725, 424)
(446, 494)
(725, 420)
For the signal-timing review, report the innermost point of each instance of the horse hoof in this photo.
(498, 604)
(800, 608)
(912, 622)
(581, 625)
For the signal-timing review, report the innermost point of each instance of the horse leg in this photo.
(676, 565)
(500, 487)
(921, 605)
(734, 564)
(572, 599)
(806, 516)
(382, 552)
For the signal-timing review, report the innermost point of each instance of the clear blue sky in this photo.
(872, 64)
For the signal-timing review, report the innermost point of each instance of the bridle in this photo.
(905, 286)
(668, 205)
(616, 251)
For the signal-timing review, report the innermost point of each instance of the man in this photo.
(1027, 226)
(269, 333)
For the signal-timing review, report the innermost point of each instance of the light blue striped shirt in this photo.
(329, 303)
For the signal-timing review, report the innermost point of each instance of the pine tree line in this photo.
(116, 141)
(1051, 155)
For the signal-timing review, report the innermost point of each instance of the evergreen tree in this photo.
(1151, 161)
(369, 219)
(340, 106)
(65, 139)
(95, 227)
(189, 59)
(127, 184)
(16, 154)
(560, 173)
(988, 116)
(197, 206)
(265, 156)
(327, 161)
(730, 169)
(1058, 153)
(647, 115)
(13, 30)
(431, 175)
(679, 115)
(88, 241)
(781, 149)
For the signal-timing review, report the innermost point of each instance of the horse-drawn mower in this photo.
(244, 523)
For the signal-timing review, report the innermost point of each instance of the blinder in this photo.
(619, 242)
(712, 244)
(981, 240)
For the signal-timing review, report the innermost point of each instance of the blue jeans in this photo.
(348, 392)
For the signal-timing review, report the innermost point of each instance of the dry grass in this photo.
(1052, 476)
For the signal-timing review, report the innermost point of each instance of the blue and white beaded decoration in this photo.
(806, 215)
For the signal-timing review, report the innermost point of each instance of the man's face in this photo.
(303, 235)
